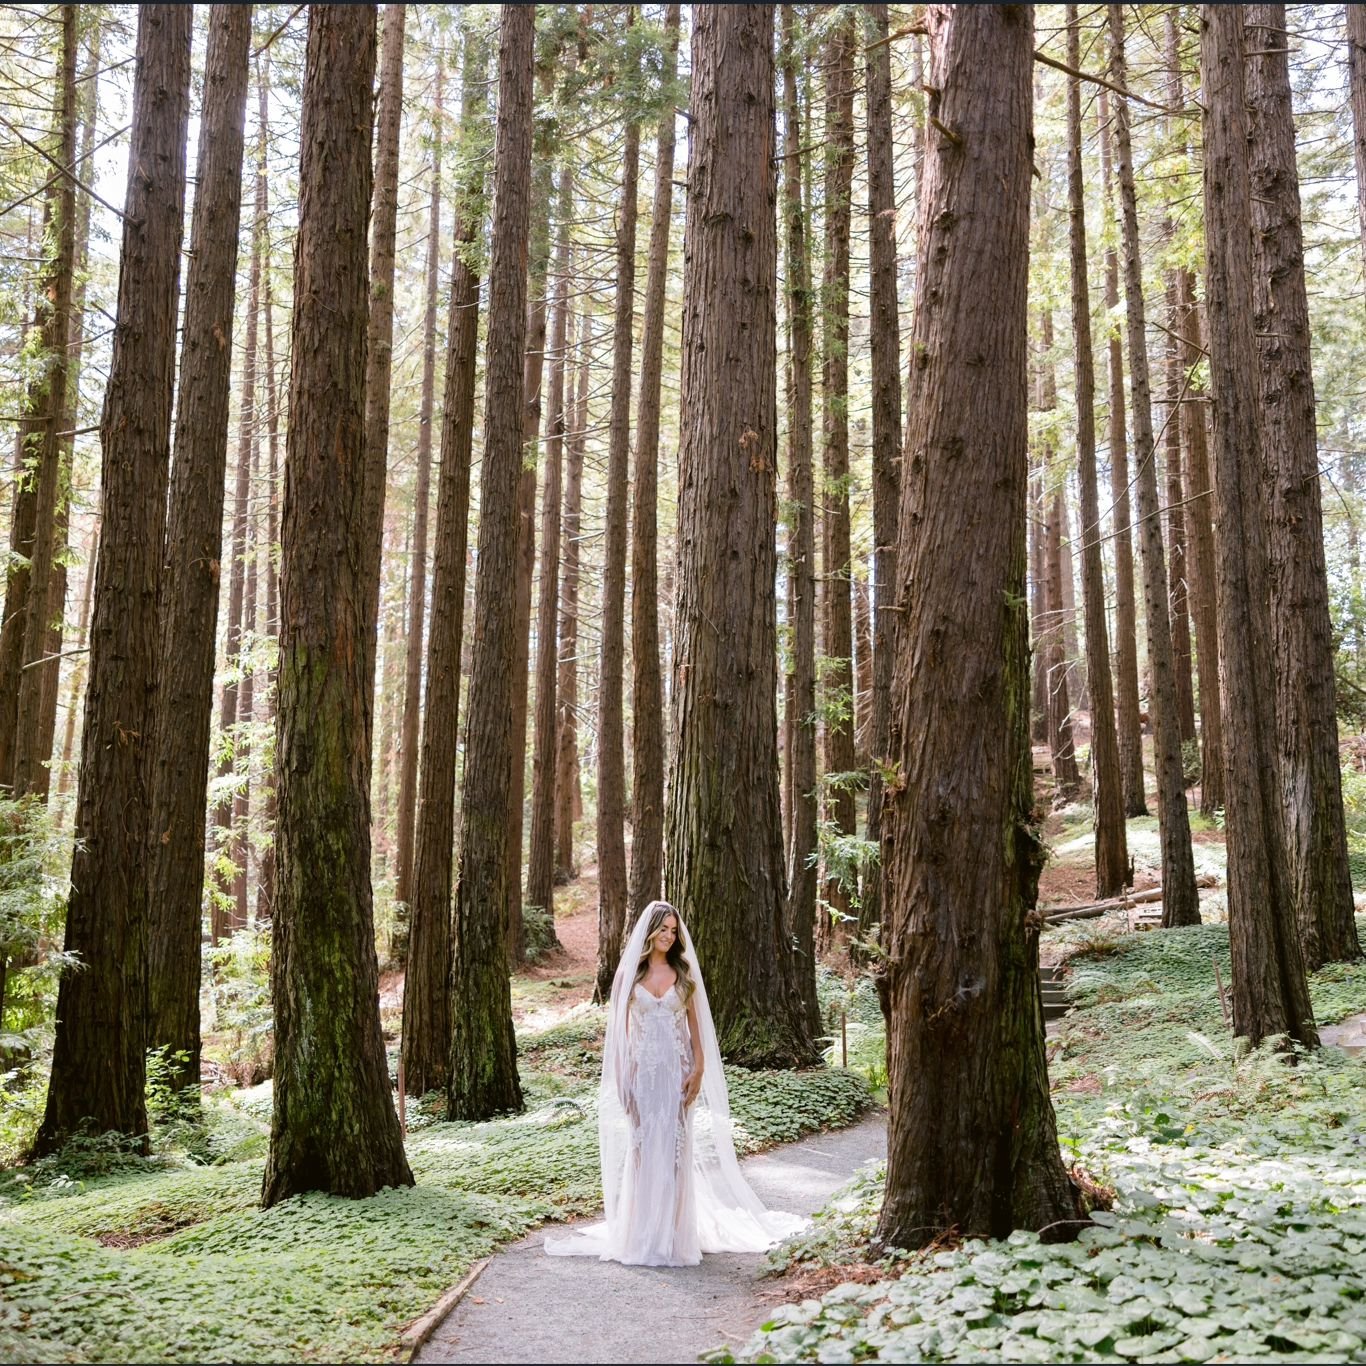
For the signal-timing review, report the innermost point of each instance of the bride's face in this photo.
(665, 935)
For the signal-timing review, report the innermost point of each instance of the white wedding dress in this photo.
(672, 1188)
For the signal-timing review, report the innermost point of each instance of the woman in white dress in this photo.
(672, 1188)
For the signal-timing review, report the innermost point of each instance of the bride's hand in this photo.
(692, 1086)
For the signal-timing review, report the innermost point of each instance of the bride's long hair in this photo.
(675, 957)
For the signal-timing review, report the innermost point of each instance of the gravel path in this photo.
(530, 1307)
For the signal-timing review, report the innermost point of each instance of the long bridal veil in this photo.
(731, 1217)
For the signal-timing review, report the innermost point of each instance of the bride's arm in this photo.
(693, 1084)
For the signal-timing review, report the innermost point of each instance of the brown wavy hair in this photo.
(675, 957)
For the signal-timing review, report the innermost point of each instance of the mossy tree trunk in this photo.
(98, 1060)
(194, 545)
(972, 1144)
(801, 553)
(483, 1058)
(334, 1126)
(724, 854)
(1302, 630)
(1270, 995)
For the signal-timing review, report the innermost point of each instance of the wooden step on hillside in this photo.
(1056, 1000)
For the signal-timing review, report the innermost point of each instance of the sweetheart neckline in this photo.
(671, 987)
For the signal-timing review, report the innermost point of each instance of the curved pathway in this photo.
(527, 1307)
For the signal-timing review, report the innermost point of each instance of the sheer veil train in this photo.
(729, 1216)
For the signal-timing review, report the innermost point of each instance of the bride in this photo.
(671, 1186)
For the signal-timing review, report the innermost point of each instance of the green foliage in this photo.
(1190, 762)
(107, 1256)
(538, 927)
(239, 1023)
(1239, 1226)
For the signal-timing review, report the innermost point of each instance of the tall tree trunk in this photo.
(1076, 672)
(1112, 853)
(1126, 609)
(334, 1126)
(647, 688)
(1178, 596)
(24, 634)
(483, 1057)
(1302, 630)
(426, 992)
(837, 645)
(1180, 897)
(567, 800)
(1356, 81)
(972, 1144)
(98, 1064)
(540, 881)
(1066, 777)
(194, 546)
(265, 874)
(1199, 520)
(723, 839)
(612, 886)
(1270, 995)
(379, 352)
(78, 673)
(417, 595)
(542, 185)
(801, 553)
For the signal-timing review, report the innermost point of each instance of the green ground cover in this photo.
(1239, 1222)
(108, 1257)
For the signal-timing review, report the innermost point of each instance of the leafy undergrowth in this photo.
(109, 1257)
(1239, 1224)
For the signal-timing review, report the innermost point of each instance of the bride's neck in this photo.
(658, 959)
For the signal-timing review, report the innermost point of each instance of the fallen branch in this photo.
(1088, 909)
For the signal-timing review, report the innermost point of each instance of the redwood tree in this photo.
(334, 1126)
(972, 1144)
(1112, 854)
(98, 1060)
(1302, 631)
(483, 1077)
(1180, 897)
(194, 545)
(426, 990)
(724, 854)
(1270, 995)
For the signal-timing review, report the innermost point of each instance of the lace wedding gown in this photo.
(671, 1185)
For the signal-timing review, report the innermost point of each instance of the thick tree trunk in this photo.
(417, 593)
(194, 546)
(540, 880)
(426, 991)
(1180, 897)
(972, 1144)
(1302, 630)
(568, 802)
(1126, 609)
(98, 1064)
(23, 755)
(1200, 523)
(1270, 995)
(801, 552)
(483, 1058)
(379, 353)
(334, 1126)
(837, 642)
(1107, 794)
(647, 692)
(612, 886)
(723, 841)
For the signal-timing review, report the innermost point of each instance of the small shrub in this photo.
(538, 930)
